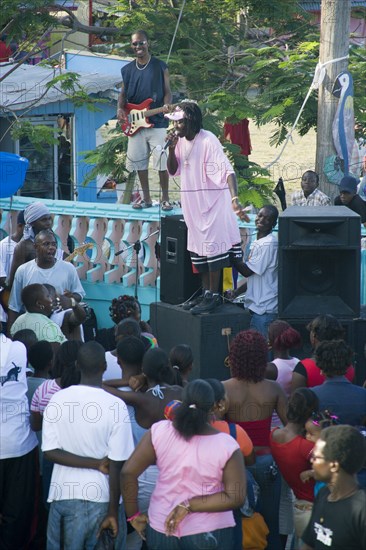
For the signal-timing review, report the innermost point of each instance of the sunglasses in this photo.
(139, 43)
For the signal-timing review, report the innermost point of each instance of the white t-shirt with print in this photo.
(16, 437)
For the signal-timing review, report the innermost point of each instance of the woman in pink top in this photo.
(197, 487)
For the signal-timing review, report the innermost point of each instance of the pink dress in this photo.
(188, 469)
(206, 201)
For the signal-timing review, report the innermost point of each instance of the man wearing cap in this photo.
(144, 78)
(348, 197)
(209, 196)
(310, 195)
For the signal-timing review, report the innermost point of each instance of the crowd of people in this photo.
(115, 443)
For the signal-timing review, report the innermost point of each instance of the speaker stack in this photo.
(319, 262)
(319, 271)
(177, 280)
(208, 334)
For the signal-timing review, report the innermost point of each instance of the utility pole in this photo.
(334, 44)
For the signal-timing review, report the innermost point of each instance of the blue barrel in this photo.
(12, 173)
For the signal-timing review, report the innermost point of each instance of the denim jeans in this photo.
(266, 474)
(262, 322)
(80, 521)
(221, 539)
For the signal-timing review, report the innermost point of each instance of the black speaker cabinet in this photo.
(177, 280)
(208, 335)
(319, 262)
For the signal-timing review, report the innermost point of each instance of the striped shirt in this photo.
(43, 394)
(316, 198)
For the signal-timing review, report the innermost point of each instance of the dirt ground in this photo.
(297, 157)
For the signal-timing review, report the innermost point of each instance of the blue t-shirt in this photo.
(144, 84)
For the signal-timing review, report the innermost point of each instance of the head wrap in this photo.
(32, 213)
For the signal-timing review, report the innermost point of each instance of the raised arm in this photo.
(129, 397)
(172, 159)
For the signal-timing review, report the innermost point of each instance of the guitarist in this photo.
(146, 77)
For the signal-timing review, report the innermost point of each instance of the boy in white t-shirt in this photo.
(86, 432)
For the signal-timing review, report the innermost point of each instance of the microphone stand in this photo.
(137, 247)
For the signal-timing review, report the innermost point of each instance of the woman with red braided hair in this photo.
(281, 338)
(252, 401)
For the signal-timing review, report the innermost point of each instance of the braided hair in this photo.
(123, 307)
(193, 116)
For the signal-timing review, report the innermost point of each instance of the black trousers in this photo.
(18, 489)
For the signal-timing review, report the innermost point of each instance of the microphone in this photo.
(169, 141)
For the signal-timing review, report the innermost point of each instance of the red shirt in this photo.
(293, 458)
(5, 52)
(315, 376)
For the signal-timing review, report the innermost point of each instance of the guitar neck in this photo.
(152, 112)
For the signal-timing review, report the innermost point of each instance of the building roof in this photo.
(27, 86)
(314, 5)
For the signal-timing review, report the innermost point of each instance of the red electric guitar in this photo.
(137, 116)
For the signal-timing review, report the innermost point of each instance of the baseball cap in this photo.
(348, 184)
(177, 114)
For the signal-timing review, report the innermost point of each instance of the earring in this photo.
(41, 306)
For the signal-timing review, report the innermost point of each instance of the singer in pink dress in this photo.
(209, 198)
